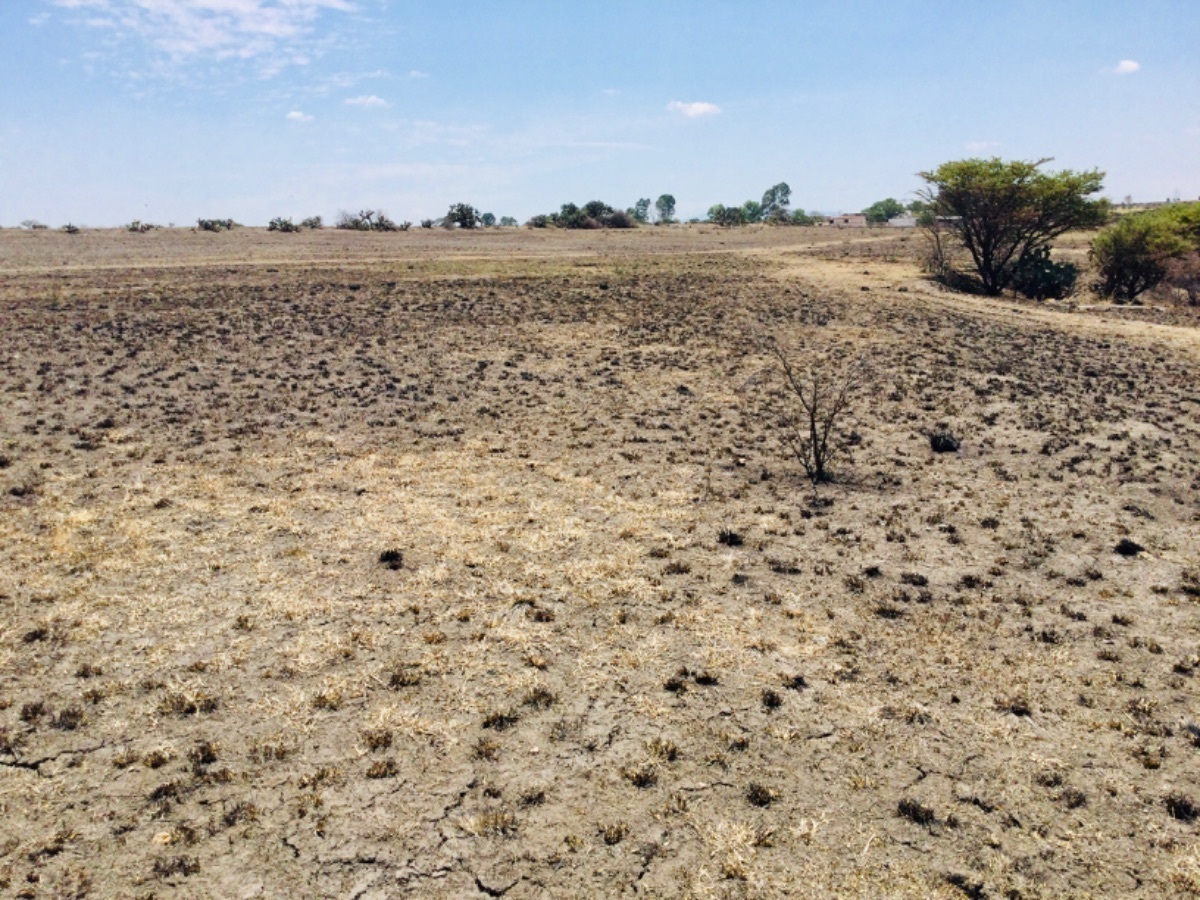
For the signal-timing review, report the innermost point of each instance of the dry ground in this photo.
(618, 649)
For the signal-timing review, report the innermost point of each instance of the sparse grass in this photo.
(619, 647)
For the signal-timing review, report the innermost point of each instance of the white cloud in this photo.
(1126, 67)
(417, 73)
(368, 100)
(694, 110)
(222, 29)
(296, 116)
(981, 146)
(610, 92)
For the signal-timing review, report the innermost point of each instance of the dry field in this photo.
(447, 565)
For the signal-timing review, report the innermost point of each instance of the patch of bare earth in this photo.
(449, 565)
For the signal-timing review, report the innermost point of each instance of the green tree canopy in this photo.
(464, 215)
(720, 214)
(881, 210)
(752, 211)
(665, 206)
(775, 202)
(1133, 255)
(640, 211)
(1003, 211)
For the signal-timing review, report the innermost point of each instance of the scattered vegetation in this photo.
(368, 220)
(216, 224)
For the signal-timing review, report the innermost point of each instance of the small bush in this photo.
(1132, 256)
(284, 225)
(215, 224)
(33, 225)
(619, 219)
(427, 223)
(314, 222)
(70, 229)
(539, 221)
(369, 220)
(1183, 275)
(137, 226)
(1038, 277)
(808, 404)
(383, 223)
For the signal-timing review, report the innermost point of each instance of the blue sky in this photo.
(167, 110)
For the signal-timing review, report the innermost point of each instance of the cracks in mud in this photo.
(35, 765)
(496, 891)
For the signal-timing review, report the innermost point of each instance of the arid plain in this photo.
(448, 564)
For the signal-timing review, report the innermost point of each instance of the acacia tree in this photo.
(1003, 212)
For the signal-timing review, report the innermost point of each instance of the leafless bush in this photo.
(807, 402)
(1183, 275)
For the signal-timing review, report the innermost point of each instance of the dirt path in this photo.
(799, 262)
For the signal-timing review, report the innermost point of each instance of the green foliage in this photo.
(1038, 277)
(594, 214)
(313, 222)
(752, 211)
(1002, 211)
(508, 222)
(880, 211)
(488, 220)
(665, 207)
(137, 226)
(1135, 254)
(284, 225)
(720, 214)
(775, 202)
(640, 211)
(215, 224)
(800, 217)
(462, 215)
